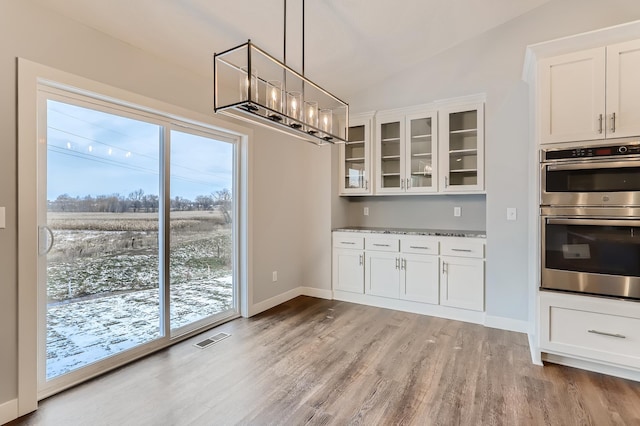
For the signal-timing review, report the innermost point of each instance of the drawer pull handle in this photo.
(464, 250)
(381, 245)
(346, 242)
(603, 333)
(419, 247)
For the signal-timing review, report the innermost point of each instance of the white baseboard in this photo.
(509, 324)
(8, 411)
(274, 301)
(316, 292)
(536, 356)
(611, 370)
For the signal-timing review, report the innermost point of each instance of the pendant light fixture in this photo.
(252, 85)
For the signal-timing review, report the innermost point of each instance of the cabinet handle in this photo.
(463, 250)
(419, 247)
(366, 183)
(347, 242)
(446, 181)
(404, 264)
(408, 183)
(360, 258)
(604, 333)
(397, 263)
(613, 122)
(381, 245)
(600, 122)
(444, 268)
(401, 183)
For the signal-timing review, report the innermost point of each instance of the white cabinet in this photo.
(462, 274)
(355, 157)
(601, 330)
(591, 94)
(462, 148)
(383, 274)
(348, 262)
(406, 151)
(419, 278)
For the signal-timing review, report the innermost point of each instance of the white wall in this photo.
(291, 180)
(492, 63)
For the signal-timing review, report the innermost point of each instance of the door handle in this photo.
(48, 249)
(604, 333)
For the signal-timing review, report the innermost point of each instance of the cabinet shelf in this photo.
(470, 151)
(390, 174)
(354, 159)
(422, 154)
(390, 157)
(462, 131)
(354, 142)
(464, 171)
(421, 137)
(391, 140)
(420, 174)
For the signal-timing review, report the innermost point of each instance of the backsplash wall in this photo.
(432, 212)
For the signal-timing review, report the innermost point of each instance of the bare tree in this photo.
(224, 200)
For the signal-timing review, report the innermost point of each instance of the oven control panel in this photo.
(590, 152)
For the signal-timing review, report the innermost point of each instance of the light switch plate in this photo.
(3, 221)
(366, 211)
(457, 211)
(512, 213)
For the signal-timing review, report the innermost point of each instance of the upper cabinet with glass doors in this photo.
(406, 152)
(591, 94)
(355, 157)
(462, 148)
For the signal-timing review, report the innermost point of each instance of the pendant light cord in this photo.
(284, 38)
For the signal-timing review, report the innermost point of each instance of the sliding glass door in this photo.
(136, 235)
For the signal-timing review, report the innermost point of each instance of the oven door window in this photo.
(618, 179)
(599, 249)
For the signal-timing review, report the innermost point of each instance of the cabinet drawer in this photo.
(419, 245)
(597, 335)
(348, 241)
(382, 244)
(462, 248)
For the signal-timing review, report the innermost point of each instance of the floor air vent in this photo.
(211, 340)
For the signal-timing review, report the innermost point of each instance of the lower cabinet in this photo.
(605, 331)
(447, 271)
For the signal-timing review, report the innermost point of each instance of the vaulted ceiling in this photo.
(349, 44)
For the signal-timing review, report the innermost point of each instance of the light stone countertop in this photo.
(413, 231)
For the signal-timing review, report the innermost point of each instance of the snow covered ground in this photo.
(85, 331)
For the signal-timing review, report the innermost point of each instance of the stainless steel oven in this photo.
(591, 250)
(606, 175)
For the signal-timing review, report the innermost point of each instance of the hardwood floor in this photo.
(313, 361)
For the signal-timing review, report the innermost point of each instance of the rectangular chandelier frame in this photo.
(251, 85)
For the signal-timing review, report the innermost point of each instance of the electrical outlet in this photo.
(366, 211)
(512, 213)
(275, 276)
(457, 211)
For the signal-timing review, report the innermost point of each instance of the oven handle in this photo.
(593, 165)
(594, 222)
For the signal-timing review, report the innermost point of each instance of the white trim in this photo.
(274, 301)
(504, 323)
(536, 356)
(584, 364)
(316, 292)
(8, 411)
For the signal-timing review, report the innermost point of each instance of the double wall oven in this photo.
(590, 219)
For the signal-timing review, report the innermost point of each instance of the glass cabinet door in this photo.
(354, 159)
(389, 155)
(464, 155)
(421, 152)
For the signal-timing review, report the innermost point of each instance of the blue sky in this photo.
(91, 152)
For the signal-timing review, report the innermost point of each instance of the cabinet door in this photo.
(421, 152)
(348, 270)
(383, 274)
(355, 158)
(572, 97)
(462, 148)
(462, 283)
(623, 89)
(389, 154)
(419, 278)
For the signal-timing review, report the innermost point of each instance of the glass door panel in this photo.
(201, 236)
(354, 158)
(101, 233)
(463, 148)
(390, 154)
(421, 152)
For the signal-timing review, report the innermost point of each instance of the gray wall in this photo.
(432, 212)
(290, 209)
(492, 64)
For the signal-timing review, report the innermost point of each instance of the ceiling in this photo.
(349, 44)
